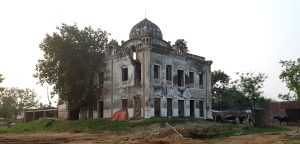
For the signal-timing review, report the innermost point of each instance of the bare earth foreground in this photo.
(124, 138)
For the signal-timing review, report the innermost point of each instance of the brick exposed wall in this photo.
(279, 108)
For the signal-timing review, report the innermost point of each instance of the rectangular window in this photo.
(124, 74)
(180, 74)
(201, 80)
(191, 77)
(101, 78)
(137, 73)
(169, 72)
(156, 71)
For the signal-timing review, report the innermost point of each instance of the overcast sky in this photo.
(239, 36)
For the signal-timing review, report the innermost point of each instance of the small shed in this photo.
(35, 114)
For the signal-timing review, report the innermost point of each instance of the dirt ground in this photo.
(137, 138)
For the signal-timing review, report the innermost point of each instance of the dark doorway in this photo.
(201, 108)
(192, 108)
(124, 105)
(293, 114)
(91, 111)
(157, 107)
(181, 108)
(137, 107)
(100, 109)
(169, 107)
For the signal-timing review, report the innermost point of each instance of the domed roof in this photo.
(145, 28)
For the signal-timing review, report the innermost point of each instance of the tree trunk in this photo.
(74, 114)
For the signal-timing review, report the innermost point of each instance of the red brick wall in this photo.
(278, 108)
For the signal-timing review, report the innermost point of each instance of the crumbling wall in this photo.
(115, 89)
(161, 88)
(280, 108)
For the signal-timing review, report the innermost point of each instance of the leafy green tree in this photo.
(263, 102)
(13, 101)
(250, 85)
(71, 59)
(291, 76)
(1, 80)
(236, 99)
(8, 108)
(240, 94)
(232, 99)
(219, 82)
(288, 97)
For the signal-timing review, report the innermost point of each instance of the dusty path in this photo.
(144, 135)
(266, 138)
(57, 138)
(136, 138)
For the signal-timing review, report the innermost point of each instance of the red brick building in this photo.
(281, 109)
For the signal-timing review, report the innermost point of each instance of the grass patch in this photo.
(296, 138)
(3, 130)
(96, 125)
(32, 126)
(99, 125)
(249, 130)
(92, 125)
(227, 130)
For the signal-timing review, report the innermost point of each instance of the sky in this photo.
(237, 35)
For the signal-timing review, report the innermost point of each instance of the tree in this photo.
(1, 80)
(263, 102)
(232, 99)
(8, 108)
(291, 76)
(71, 59)
(13, 101)
(219, 82)
(250, 85)
(288, 97)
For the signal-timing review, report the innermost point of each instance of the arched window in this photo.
(134, 56)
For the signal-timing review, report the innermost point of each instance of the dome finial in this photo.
(145, 13)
